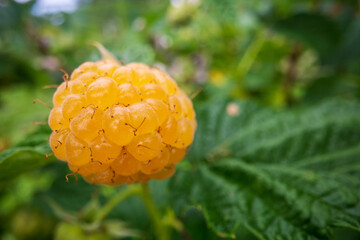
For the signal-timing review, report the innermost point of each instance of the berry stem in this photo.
(161, 229)
(161, 225)
(251, 54)
(122, 195)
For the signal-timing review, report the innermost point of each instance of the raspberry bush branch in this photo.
(162, 230)
(117, 199)
(161, 222)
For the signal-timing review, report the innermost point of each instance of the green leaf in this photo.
(27, 156)
(317, 31)
(347, 54)
(70, 195)
(282, 175)
(214, 119)
(224, 11)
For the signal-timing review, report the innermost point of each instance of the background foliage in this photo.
(276, 154)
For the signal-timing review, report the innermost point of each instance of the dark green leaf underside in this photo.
(282, 175)
(26, 156)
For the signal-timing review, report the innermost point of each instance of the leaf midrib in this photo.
(277, 139)
(275, 212)
(301, 174)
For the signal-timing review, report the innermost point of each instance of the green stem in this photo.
(131, 190)
(251, 54)
(161, 226)
(161, 230)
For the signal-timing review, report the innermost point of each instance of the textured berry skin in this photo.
(121, 124)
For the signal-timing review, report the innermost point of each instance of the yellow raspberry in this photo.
(123, 74)
(77, 151)
(82, 82)
(89, 168)
(101, 145)
(161, 109)
(87, 124)
(72, 105)
(56, 140)
(176, 155)
(56, 119)
(128, 94)
(146, 146)
(61, 93)
(166, 172)
(115, 124)
(169, 130)
(121, 124)
(157, 163)
(154, 91)
(126, 164)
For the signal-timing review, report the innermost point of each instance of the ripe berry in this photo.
(157, 163)
(154, 91)
(169, 130)
(56, 119)
(128, 94)
(146, 146)
(57, 141)
(61, 93)
(123, 74)
(87, 124)
(102, 93)
(82, 82)
(166, 172)
(72, 105)
(117, 124)
(77, 151)
(176, 155)
(101, 145)
(143, 118)
(160, 108)
(126, 164)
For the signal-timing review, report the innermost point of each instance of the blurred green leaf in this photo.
(72, 195)
(317, 31)
(75, 232)
(347, 54)
(224, 11)
(118, 229)
(281, 175)
(26, 156)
